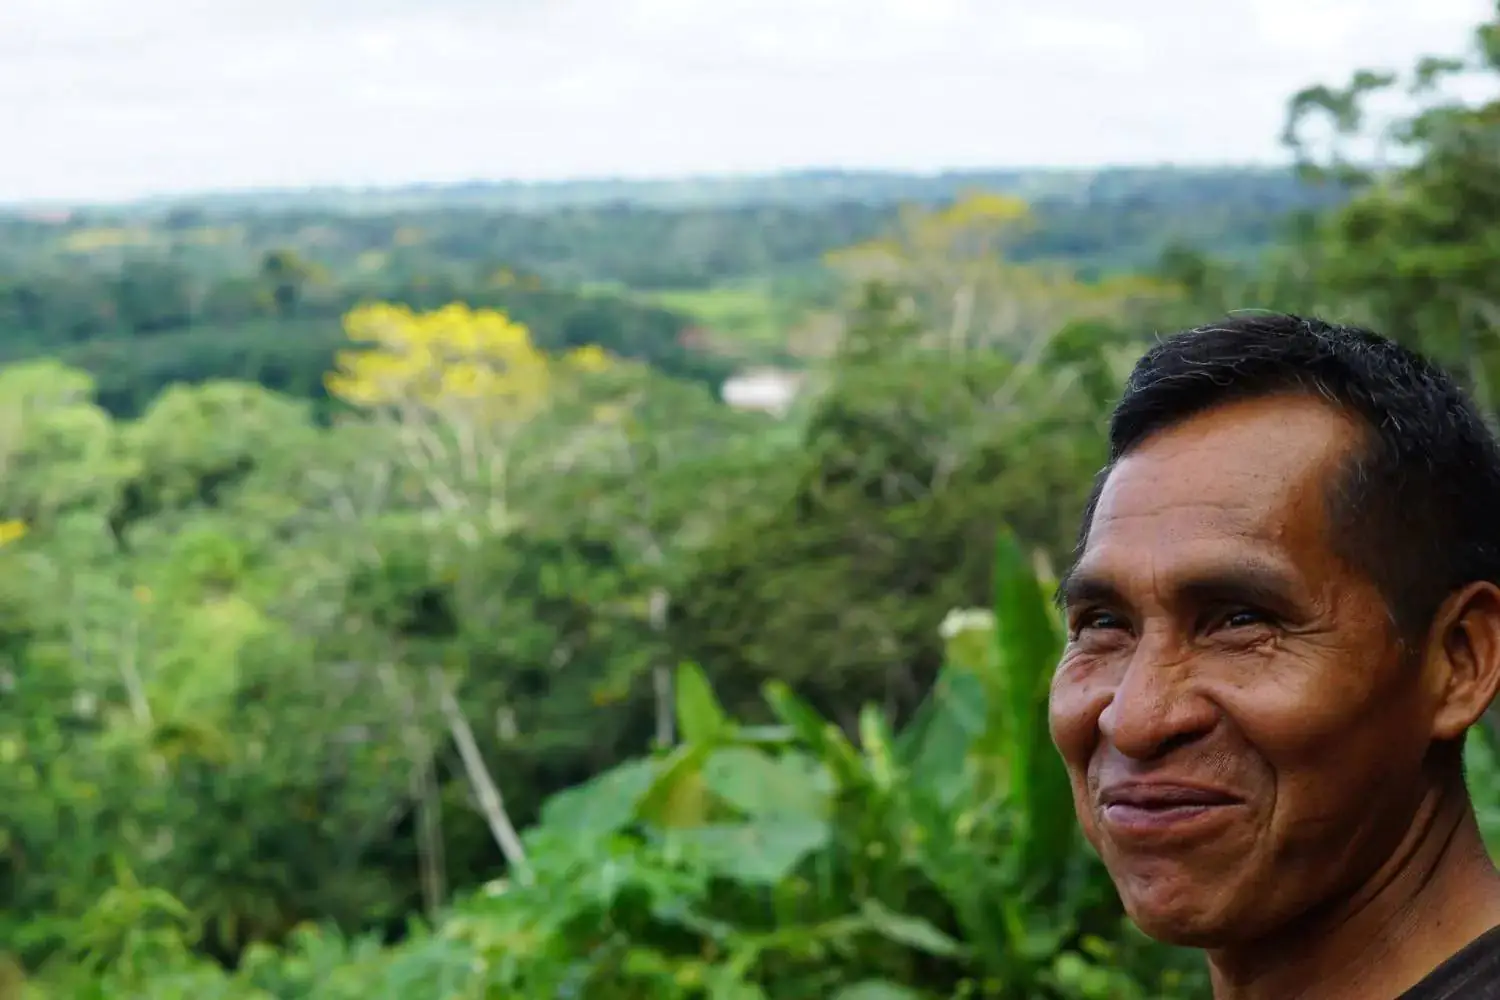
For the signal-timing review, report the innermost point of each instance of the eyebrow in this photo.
(1249, 581)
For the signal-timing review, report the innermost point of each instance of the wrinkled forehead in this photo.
(1252, 477)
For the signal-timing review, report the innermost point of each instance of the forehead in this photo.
(1250, 477)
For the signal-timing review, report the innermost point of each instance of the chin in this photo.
(1182, 928)
(1179, 912)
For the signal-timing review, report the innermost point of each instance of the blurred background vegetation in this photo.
(621, 590)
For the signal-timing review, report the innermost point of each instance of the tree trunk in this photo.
(491, 804)
(431, 860)
(661, 675)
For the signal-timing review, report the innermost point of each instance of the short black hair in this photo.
(1416, 509)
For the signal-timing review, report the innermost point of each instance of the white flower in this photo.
(961, 620)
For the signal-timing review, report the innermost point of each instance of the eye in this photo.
(1096, 619)
(1243, 618)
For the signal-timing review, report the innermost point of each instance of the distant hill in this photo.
(251, 285)
(794, 189)
(673, 233)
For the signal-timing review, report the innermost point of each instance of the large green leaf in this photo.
(1028, 645)
(678, 796)
(913, 932)
(760, 785)
(759, 853)
(602, 805)
(700, 718)
(932, 749)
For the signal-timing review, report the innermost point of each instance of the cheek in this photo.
(1301, 711)
(1074, 706)
(1340, 736)
(1345, 777)
(1078, 697)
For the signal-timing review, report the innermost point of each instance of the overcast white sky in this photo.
(118, 98)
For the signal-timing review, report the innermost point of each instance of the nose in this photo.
(1155, 708)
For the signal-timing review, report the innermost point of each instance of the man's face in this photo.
(1244, 736)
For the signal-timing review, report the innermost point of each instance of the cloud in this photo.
(104, 98)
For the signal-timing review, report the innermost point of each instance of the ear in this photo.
(1464, 659)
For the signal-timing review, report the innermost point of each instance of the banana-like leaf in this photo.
(820, 736)
(1028, 645)
(796, 714)
(876, 739)
(934, 746)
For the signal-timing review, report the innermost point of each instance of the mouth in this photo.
(1142, 811)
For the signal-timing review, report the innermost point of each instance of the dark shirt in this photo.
(1472, 974)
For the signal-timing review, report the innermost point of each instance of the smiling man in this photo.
(1283, 619)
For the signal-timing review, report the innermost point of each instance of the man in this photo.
(1283, 618)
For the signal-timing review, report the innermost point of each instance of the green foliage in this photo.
(276, 676)
(746, 862)
(1413, 248)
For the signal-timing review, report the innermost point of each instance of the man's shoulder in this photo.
(1471, 974)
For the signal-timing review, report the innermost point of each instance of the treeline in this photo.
(144, 299)
(798, 188)
(1109, 220)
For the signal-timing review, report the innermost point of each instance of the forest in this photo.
(391, 606)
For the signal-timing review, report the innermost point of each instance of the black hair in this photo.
(1416, 508)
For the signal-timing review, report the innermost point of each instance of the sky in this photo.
(113, 99)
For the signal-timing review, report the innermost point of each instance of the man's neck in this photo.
(1438, 891)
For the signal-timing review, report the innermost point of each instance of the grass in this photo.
(751, 322)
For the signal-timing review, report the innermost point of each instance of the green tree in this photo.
(1414, 249)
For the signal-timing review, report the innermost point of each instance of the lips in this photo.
(1163, 795)
(1160, 809)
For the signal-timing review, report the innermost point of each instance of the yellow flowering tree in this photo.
(951, 267)
(458, 386)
